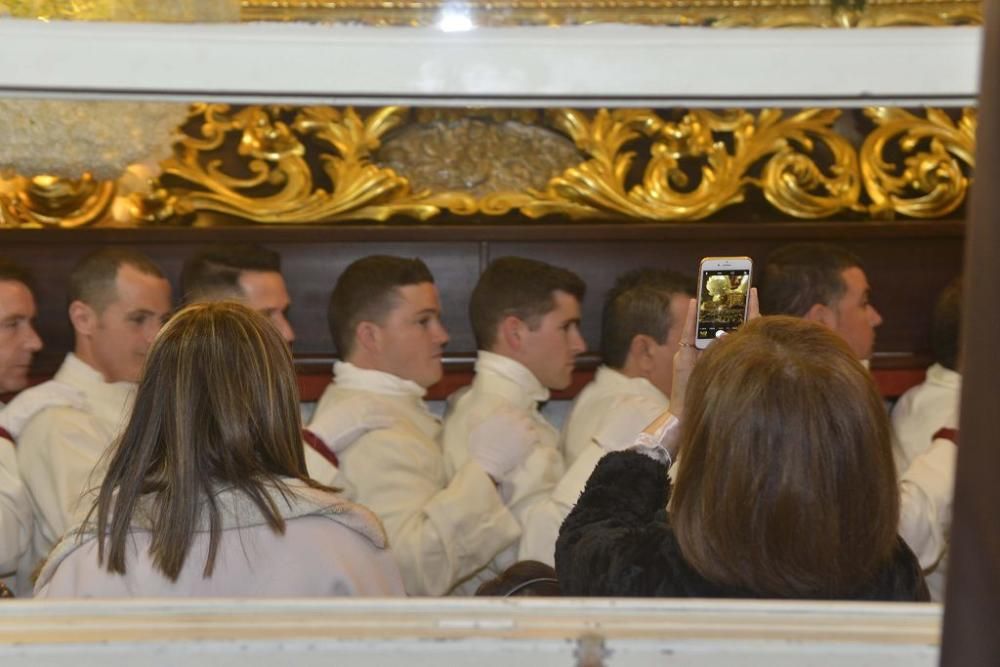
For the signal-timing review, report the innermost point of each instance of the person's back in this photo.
(785, 487)
(206, 492)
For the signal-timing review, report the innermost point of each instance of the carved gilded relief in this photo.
(712, 13)
(323, 165)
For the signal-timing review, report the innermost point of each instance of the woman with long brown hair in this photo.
(785, 487)
(206, 491)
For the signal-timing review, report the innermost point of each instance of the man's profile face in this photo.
(127, 326)
(662, 373)
(265, 292)
(855, 318)
(18, 339)
(411, 338)
(550, 350)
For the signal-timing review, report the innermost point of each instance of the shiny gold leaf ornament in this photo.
(928, 181)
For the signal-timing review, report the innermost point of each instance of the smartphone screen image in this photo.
(723, 291)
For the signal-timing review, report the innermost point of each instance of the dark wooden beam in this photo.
(972, 610)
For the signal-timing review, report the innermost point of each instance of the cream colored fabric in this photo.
(591, 407)
(922, 411)
(15, 510)
(441, 530)
(504, 384)
(330, 547)
(926, 490)
(58, 451)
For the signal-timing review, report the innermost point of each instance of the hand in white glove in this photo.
(502, 441)
(28, 403)
(629, 414)
(340, 426)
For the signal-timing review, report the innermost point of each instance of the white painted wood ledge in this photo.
(484, 632)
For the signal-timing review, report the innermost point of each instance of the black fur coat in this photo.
(618, 541)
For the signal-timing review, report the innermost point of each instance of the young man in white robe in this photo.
(385, 318)
(119, 299)
(526, 318)
(641, 323)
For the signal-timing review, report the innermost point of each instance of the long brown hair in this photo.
(217, 407)
(786, 485)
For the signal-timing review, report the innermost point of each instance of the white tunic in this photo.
(921, 411)
(58, 451)
(502, 384)
(611, 410)
(15, 510)
(329, 547)
(591, 407)
(441, 530)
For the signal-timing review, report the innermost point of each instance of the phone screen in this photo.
(723, 301)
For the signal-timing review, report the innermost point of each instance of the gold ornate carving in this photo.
(48, 201)
(928, 180)
(715, 13)
(306, 165)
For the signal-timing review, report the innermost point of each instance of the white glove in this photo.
(342, 425)
(629, 414)
(28, 403)
(502, 441)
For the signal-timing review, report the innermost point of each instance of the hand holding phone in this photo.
(723, 297)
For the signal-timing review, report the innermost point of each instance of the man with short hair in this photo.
(248, 273)
(824, 283)
(641, 324)
(526, 318)
(119, 299)
(827, 284)
(385, 321)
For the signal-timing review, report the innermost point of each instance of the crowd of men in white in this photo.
(461, 498)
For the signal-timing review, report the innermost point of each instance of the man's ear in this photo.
(511, 332)
(369, 336)
(641, 351)
(83, 318)
(823, 314)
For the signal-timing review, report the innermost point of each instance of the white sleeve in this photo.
(925, 502)
(15, 511)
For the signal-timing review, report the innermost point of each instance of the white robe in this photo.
(441, 530)
(58, 453)
(612, 410)
(15, 510)
(502, 384)
(921, 411)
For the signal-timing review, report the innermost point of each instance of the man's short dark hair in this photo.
(524, 288)
(214, 273)
(92, 280)
(946, 325)
(11, 271)
(798, 276)
(366, 291)
(638, 304)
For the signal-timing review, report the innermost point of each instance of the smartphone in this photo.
(723, 297)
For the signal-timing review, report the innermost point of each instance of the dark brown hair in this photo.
(214, 272)
(92, 280)
(946, 325)
(524, 288)
(218, 406)
(639, 303)
(799, 275)
(13, 272)
(366, 292)
(786, 485)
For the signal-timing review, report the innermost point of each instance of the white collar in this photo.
(349, 376)
(110, 401)
(938, 374)
(514, 371)
(639, 385)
